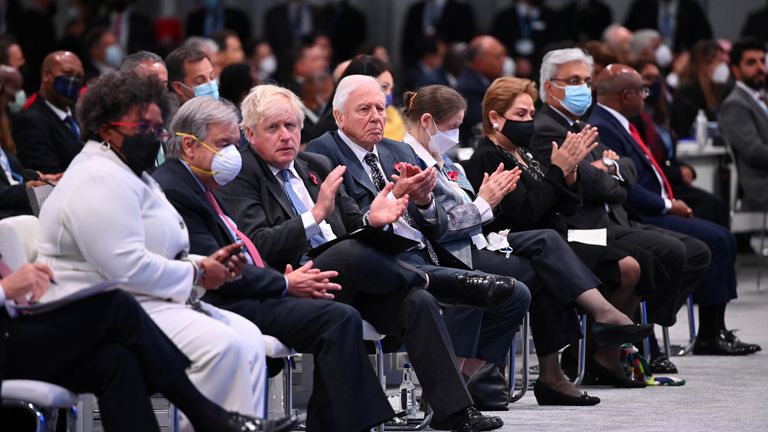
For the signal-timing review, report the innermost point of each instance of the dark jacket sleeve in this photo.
(256, 282)
(640, 198)
(32, 137)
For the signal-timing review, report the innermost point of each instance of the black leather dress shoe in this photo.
(469, 419)
(546, 395)
(596, 374)
(604, 334)
(662, 365)
(241, 423)
(719, 345)
(479, 291)
(730, 335)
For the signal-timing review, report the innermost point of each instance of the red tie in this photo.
(255, 256)
(649, 156)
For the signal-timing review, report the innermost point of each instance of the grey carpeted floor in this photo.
(722, 393)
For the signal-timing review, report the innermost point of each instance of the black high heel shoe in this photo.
(546, 395)
(605, 334)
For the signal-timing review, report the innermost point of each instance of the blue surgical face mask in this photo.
(388, 100)
(211, 89)
(578, 98)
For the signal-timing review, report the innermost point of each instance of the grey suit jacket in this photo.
(745, 124)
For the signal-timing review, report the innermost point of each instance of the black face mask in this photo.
(518, 132)
(139, 151)
(654, 93)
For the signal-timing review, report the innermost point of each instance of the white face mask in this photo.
(268, 66)
(509, 67)
(226, 163)
(20, 99)
(443, 141)
(721, 74)
(663, 56)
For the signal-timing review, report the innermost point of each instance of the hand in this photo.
(326, 198)
(680, 208)
(417, 185)
(574, 149)
(215, 274)
(31, 279)
(610, 154)
(384, 211)
(599, 164)
(309, 282)
(497, 185)
(687, 175)
(231, 259)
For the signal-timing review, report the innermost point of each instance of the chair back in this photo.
(18, 240)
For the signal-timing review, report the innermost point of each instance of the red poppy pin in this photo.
(313, 178)
(453, 176)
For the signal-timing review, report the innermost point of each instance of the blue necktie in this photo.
(72, 125)
(298, 206)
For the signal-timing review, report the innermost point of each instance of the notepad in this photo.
(597, 237)
(37, 308)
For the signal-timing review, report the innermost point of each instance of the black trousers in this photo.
(477, 333)
(346, 395)
(389, 294)
(559, 278)
(685, 260)
(106, 345)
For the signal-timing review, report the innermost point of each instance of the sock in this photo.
(202, 412)
(711, 320)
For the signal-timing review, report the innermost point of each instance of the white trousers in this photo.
(226, 351)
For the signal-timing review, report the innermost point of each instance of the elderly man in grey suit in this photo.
(744, 121)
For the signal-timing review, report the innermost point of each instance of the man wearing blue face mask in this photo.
(47, 133)
(191, 74)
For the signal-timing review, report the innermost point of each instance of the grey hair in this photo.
(132, 61)
(347, 85)
(194, 117)
(642, 39)
(553, 59)
(203, 44)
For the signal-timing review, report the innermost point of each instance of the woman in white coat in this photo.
(107, 220)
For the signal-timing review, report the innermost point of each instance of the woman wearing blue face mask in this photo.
(538, 202)
(539, 258)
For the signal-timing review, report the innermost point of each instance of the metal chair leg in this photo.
(644, 320)
(582, 352)
(380, 373)
(526, 355)
(761, 252)
(173, 418)
(667, 347)
(288, 386)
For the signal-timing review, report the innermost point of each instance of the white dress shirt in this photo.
(311, 227)
(400, 227)
(757, 95)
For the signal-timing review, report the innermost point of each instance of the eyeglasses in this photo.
(574, 81)
(642, 91)
(143, 128)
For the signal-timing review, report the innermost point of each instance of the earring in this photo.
(495, 126)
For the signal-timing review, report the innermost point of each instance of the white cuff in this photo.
(310, 226)
(667, 205)
(486, 212)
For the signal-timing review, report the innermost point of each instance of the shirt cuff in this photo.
(612, 163)
(2, 293)
(667, 205)
(285, 290)
(430, 212)
(310, 226)
(486, 212)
